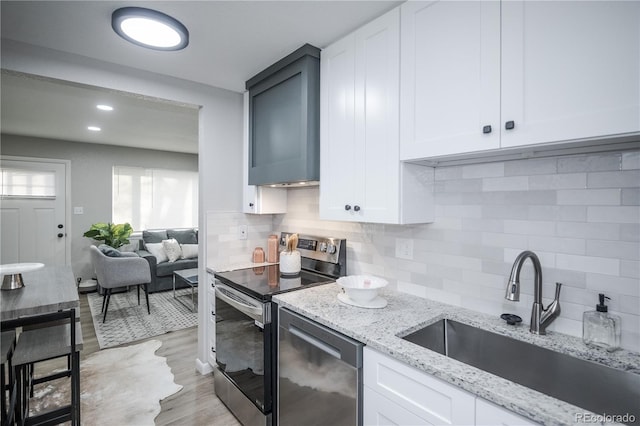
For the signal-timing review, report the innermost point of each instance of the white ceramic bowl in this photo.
(361, 288)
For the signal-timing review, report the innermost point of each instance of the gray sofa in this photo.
(162, 272)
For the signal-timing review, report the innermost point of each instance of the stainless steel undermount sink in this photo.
(586, 384)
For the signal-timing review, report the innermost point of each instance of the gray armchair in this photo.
(124, 270)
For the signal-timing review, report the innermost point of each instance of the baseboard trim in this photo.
(203, 367)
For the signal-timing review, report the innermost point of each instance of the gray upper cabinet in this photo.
(284, 120)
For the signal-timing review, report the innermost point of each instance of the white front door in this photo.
(33, 213)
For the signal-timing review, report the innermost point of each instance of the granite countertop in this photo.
(405, 313)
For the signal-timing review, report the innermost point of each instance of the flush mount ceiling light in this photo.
(149, 28)
(104, 107)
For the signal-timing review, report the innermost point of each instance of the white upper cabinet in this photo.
(570, 70)
(479, 76)
(450, 67)
(361, 178)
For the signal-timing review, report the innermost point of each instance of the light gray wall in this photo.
(91, 182)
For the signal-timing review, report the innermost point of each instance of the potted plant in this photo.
(114, 235)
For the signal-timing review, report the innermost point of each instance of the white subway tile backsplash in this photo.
(529, 227)
(628, 305)
(460, 185)
(589, 163)
(497, 239)
(483, 170)
(607, 283)
(448, 173)
(579, 214)
(606, 214)
(567, 326)
(458, 211)
(630, 269)
(630, 232)
(558, 245)
(590, 197)
(443, 296)
(505, 212)
(477, 278)
(410, 288)
(618, 179)
(631, 197)
(512, 183)
(489, 225)
(539, 166)
(588, 264)
(558, 181)
(631, 160)
(593, 231)
(614, 249)
(558, 213)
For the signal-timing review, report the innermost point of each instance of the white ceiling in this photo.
(230, 42)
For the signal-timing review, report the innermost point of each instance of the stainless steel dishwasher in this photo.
(319, 374)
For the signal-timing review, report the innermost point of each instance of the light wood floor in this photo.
(196, 403)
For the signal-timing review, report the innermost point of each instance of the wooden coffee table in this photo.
(190, 277)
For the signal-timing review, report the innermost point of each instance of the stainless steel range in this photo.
(246, 324)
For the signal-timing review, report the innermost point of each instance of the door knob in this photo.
(60, 235)
(60, 226)
(356, 208)
(347, 207)
(486, 129)
(509, 125)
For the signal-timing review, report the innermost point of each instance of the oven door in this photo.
(244, 344)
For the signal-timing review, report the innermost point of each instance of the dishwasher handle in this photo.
(333, 343)
(313, 341)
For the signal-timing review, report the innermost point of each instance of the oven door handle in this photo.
(239, 301)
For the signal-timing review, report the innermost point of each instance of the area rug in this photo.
(119, 386)
(128, 322)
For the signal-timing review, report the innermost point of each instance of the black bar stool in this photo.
(7, 377)
(52, 336)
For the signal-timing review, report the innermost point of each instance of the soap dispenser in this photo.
(600, 328)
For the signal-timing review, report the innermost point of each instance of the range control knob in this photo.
(322, 247)
(331, 249)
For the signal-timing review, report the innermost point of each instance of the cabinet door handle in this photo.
(250, 204)
(509, 125)
(356, 208)
(486, 129)
(347, 207)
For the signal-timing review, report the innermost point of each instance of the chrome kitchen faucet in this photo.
(540, 317)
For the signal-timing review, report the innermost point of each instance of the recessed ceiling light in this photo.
(149, 28)
(104, 107)
(94, 128)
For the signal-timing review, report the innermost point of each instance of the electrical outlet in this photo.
(242, 232)
(404, 248)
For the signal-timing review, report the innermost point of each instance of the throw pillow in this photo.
(189, 251)
(109, 251)
(157, 250)
(172, 248)
(183, 236)
(154, 237)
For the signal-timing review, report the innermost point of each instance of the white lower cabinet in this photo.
(398, 394)
(489, 414)
(430, 400)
